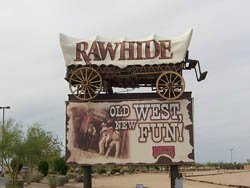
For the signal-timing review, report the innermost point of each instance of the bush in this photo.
(132, 169)
(36, 177)
(61, 180)
(115, 169)
(101, 171)
(125, 169)
(79, 179)
(16, 184)
(157, 168)
(43, 167)
(71, 175)
(144, 170)
(60, 166)
(52, 181)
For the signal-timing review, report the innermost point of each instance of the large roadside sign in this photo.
(122, 132)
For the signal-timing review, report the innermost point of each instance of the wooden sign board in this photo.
(130, 131)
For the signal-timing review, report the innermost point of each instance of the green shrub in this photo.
(157, 168)
(36, 177)
(60, 166)
(115, 169)
(132, 169)
(144, 170)
(16, 184)
(101, 171)
(52, 181)
(71, 175)
(43, 167)
(61, 180)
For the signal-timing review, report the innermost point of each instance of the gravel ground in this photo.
(150, 180)
(240, 178)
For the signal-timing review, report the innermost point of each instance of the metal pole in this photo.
(3, 107)
(174, 172)
(3, 116)
(87, 177)
(2, 141)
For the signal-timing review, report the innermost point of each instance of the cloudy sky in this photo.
(32, 66)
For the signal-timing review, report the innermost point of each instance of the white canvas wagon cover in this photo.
(122, 52)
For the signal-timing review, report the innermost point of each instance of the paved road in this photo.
(2, 181)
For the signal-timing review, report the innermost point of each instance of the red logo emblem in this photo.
(158, 150)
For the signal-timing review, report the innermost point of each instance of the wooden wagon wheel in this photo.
(85, 83)
(170, 85)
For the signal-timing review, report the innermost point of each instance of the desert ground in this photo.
(161, 180)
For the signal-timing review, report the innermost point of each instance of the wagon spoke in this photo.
(166, 79)
(169, 91)
(77, 88)
(175, 78)
(84, 93)
(97, 81)
(179, 86)
(78, 77)
(162, 84)
(94, 86)
(90, 74)
(92, 89)
(76, 80)
(86, 73)
(76, 85)
(178, 81)
(89, 92)
(164, 88)
(93, 77)
(82, 90)
(173, 93)
(165, 91)
(82, 74)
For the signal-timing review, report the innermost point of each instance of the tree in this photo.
(248, 161)
(36, 145)
(40, 145)
(11, 147)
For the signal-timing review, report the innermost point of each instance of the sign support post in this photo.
(87, 177)
(174, 172)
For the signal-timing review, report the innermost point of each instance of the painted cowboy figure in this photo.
(90, 136)
(103, 140)
(114, 136)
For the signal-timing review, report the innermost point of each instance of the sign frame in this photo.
(133, 97)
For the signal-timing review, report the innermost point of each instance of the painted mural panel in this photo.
(129, 132)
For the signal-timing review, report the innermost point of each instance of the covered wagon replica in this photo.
(99, 64)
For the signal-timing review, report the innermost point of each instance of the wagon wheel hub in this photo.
(85, 83)
(170, 86)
